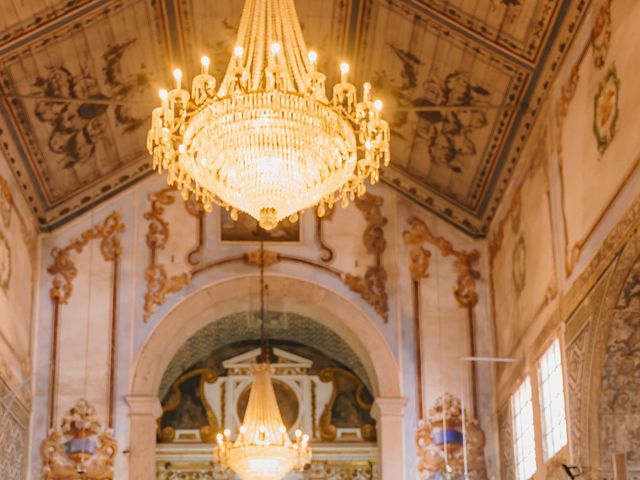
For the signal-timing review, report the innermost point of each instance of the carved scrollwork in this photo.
(465, 287)
(337, 376)
(207, 432)
(327, 254)
(372, 287)
(64, 270)
(159, 283)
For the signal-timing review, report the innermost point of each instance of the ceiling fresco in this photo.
(461, 81)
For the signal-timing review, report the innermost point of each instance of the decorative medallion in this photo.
(5, 263)
(606, 110)
(442, 433)
(80, 449)
(519, 265)
(601, 35)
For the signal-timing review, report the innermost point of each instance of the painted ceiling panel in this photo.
(458, 79)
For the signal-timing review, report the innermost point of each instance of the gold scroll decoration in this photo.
(465, 287)
(372, 287)
(207, 432)
(159, 283)
(338, 376)
(64, 270)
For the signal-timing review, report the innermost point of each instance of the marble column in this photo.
(389, 413)
(143, 413)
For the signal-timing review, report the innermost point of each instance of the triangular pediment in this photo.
(285, 361)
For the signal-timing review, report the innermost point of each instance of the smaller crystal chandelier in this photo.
(263, 449)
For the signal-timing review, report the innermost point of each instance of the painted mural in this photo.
(620, 398)
(462, 71)
(445, 129)
(76, 129)
(78, 114)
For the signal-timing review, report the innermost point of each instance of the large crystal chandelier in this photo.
(267, 141)
(263, 449)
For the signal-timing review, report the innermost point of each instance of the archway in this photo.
(287, 294)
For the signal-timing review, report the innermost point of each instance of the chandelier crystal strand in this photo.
(268, 141)
(262, 449)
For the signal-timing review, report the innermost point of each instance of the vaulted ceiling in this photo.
(462, 81)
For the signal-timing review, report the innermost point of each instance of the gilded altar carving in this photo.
(346, 387)
(443, 431)
(167, 433)
(159, 283)
(81, 449)
(372, 287)
(63, 269)
(465, 261)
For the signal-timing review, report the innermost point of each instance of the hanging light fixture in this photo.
(263, 449)
(267, 141)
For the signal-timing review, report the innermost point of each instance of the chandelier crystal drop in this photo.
(263, 449)
(267, 140)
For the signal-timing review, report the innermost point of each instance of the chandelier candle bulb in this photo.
(344, 69)
(266, 139)
(205, 62)
(177, 74)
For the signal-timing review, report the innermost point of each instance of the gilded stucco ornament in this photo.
(444, 423)
(63, 268)
(465, 287)
(601, 35)
(81, 449)
(6, 202)
(372, 287)
(606, 109)
(5, 263)
(337, 377)
(159, 283)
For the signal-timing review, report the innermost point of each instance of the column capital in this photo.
(388, 407)
(144, 405)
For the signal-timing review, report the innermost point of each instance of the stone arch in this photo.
(286, 294)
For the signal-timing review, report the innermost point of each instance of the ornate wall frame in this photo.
(64, 271)
(464, 290)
